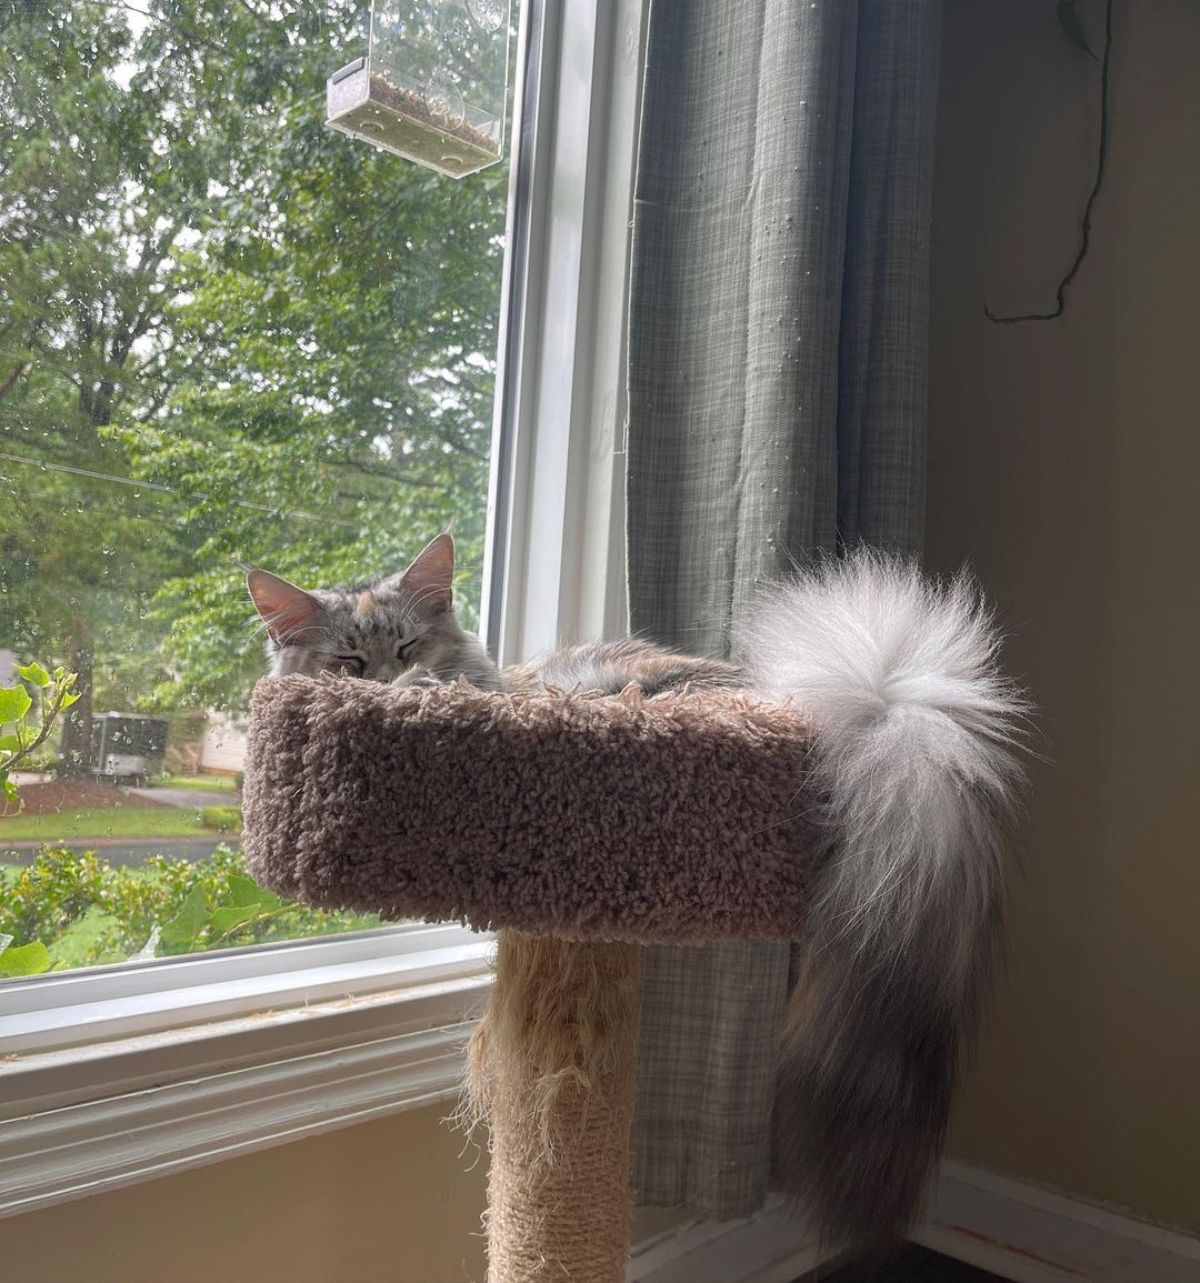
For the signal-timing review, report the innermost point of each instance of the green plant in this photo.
(222, 819)
(73, 908)
(19, 750)
(45, 897)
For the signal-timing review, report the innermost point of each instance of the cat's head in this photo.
(376, 630)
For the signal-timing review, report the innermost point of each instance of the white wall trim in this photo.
(62, 1010)
(1031, 1234)
(1009, 1227)
(239, 1086)
(123, 1074)
(770, 1247)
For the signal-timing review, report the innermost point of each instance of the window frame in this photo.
(110, 1075)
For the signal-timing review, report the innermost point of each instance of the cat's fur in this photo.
(914, 754)
(403, 629)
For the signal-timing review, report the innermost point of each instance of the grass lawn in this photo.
(202, 783)
(113, 822)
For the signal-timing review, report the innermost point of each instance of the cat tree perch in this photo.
(579, 828)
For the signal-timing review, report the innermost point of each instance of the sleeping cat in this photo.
(914, 730)
(403, 630)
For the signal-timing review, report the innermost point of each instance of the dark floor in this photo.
(912, 1265)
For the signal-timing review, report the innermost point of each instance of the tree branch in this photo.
(7, 386)
(130, 328)
(370, 470)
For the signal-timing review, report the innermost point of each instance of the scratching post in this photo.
(552, 1067)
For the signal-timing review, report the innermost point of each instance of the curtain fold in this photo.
(777, 371)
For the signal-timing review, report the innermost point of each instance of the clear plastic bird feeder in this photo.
(433, 85)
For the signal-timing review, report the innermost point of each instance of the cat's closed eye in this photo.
(406, 649)
(347, 665)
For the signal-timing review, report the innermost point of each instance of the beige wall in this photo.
(399, 1200)
(1065, 463)
(393, 1201)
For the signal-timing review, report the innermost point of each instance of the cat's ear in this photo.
(285, 609)
(430, 579)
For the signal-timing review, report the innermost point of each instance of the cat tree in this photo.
(579, 828)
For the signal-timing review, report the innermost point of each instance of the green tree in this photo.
(226, 334)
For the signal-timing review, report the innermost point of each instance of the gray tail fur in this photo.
(916, 733)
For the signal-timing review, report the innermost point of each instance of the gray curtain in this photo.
(777, 406)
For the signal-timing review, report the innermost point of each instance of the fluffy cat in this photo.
(914, 737)
(403, 630)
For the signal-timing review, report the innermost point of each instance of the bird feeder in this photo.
(432, 86)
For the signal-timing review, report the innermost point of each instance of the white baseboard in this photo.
(1034, 1235)
(1009, 1227)
(769, 1247)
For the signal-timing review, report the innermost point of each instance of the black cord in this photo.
(1085, 238)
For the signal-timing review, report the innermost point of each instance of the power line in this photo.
(298, 513)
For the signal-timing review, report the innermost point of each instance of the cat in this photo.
(403, 630)
(914, 730)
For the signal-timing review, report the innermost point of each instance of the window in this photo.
(229, 335)
(314, 386)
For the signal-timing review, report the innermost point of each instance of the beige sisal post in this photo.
(552, 1066)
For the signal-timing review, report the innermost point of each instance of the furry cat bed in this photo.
(854, 803)
(679, 819)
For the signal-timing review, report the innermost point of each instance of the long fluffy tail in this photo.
(915, 752)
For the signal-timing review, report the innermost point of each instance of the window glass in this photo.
(228, 335)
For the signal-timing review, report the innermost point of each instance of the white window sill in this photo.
(263, 1059)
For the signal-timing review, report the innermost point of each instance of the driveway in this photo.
(185, 797)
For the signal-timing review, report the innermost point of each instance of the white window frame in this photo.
(112, 1075)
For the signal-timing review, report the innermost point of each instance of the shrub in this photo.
(222, 819)
(72, 908)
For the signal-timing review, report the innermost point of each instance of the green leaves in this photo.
(56, 694)
(82, 911)
(34, 674)
(24, 960)
(196, 925)
(182, 933)
(248, 902)
(14, 703)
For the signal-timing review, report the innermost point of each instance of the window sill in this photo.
(85, 1119)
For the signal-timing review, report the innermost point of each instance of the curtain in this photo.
(777, 384)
